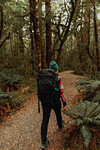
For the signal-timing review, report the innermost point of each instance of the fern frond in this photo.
(95, 84)
(87, 120)
(10, 79)
(78, 122)
(72, 114)
(97, 117)
(90, 108)
(97, 122)
(82, 108)
(96, 111)
(96, 98)
(86, 134)
(5, 95)
(83, 87)
(81, 82)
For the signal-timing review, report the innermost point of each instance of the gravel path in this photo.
(22, 130)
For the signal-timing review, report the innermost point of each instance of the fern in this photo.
(10, 99)
(96, 111)
(89, 88)
(96, 98)
(92, 107)
(82, 108)
(5, 95)
(86, 114)
(10, 79)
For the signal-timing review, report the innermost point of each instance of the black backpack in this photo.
(48, 86)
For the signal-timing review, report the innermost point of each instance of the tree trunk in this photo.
(96, 38)
(86, 37)
(59, 50)
(1, 21)
(21, 43)
(48, 30)
(43, 53)
(32, 48)
(34, 5)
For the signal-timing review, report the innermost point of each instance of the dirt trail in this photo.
(22, 130)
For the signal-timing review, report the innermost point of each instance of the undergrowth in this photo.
(13, 101)
(83, 129)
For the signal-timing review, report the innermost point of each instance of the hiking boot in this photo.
(44, 144)
(59, 129)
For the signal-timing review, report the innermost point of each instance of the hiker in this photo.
(51, 100)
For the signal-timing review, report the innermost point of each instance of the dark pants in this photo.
(46, 115)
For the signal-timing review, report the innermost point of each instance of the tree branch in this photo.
(5, 40)
(67, 30)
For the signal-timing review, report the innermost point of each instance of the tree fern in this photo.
(10, 78)
(9, 81)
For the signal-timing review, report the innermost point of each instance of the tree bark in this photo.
(43, 53)
(32, 47)
(34, 5)
(48, 30)
(96, 38)
(86, 37)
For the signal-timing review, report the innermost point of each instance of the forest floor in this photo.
(22, 130)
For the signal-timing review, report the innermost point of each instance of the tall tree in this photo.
(34, 5)
(31, 37)
(86, 35)
(1, 20)
(2, 38)
(48, 30)
(96, 37)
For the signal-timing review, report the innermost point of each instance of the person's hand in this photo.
(64, 108)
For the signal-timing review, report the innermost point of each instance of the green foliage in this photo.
(85, 115)
(9, 101)
(4, 95)
(10, 78)
(90, 89)
(86, 134)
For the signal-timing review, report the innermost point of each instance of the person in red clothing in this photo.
(56, 106)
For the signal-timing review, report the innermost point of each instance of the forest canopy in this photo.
(33, 32)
